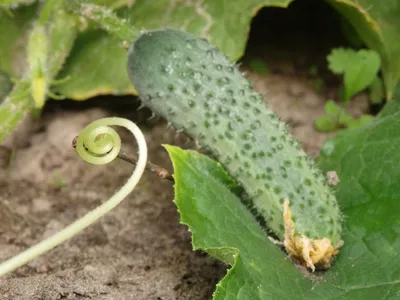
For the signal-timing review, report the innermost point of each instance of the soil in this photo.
(139, 250)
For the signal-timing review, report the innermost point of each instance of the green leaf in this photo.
(224, 228)
(340, 58)
(336, 117)
(345, 119)
(96, 66)
(368, 265)
(377, 22)
(325, 123)
(361, 73)
(365, 160)
(359, 68)
(226, 25)
(332, 108)
(361, 121)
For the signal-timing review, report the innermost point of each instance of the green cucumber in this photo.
(196, 88)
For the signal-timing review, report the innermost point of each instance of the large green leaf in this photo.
(224, 228)
(224, 24)
(97, 64)
(377, 22)
(368, 266)
(369, 193)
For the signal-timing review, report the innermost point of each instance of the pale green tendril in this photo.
(95, 145)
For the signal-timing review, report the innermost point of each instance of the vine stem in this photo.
(109, 21)
(159, 171)
(97, 140)
(132, 159)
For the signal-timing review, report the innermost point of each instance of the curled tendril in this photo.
(97, 144)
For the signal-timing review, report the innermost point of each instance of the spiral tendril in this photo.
(97, 144)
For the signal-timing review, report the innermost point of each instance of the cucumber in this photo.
(196, 88)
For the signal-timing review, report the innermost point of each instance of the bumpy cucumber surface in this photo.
(195, 87)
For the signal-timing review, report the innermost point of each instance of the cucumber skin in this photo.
(196, 88)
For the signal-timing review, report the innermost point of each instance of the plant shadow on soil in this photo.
(139, 250)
